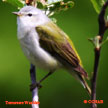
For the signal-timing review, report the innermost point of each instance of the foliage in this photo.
(16, 3)
(50, 6)
(97, 4)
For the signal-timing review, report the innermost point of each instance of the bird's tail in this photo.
(85, 84)
(80, 74)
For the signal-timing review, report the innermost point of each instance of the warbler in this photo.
(46, 46)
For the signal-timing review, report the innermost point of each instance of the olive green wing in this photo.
(57, 43)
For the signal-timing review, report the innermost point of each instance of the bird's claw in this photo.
(33, 86)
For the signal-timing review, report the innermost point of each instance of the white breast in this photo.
(35, 54)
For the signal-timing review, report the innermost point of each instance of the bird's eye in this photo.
(30, 14)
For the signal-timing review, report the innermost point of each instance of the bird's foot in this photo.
(33, 86)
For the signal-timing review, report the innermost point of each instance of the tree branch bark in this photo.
(102, 28)
(35, 97)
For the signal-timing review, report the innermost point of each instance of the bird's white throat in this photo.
(26, 24)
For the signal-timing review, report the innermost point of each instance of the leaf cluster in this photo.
(50, 6)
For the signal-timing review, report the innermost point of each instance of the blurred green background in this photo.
(60, 90)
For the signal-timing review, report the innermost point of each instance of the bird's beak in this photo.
(17, 13)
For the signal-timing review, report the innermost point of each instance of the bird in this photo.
(47, 46)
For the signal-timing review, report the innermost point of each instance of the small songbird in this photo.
(45, 45)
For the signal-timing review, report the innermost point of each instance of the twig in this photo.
(31, 2)
(102, 28)
(28, 2)
(35, 97)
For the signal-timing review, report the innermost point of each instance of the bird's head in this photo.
(31, 16)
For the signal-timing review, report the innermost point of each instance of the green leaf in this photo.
(16, 3)
(95, 41)
(60, 6)
(96, 5)
(40, 5)
(53, 1)
(54, 20)
(102, 2)
(106, 40)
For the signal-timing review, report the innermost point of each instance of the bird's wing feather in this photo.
(57, 43)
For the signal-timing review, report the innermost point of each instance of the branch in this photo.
(31, 2)
(28, 2)
(103, 26)
(35, 97)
